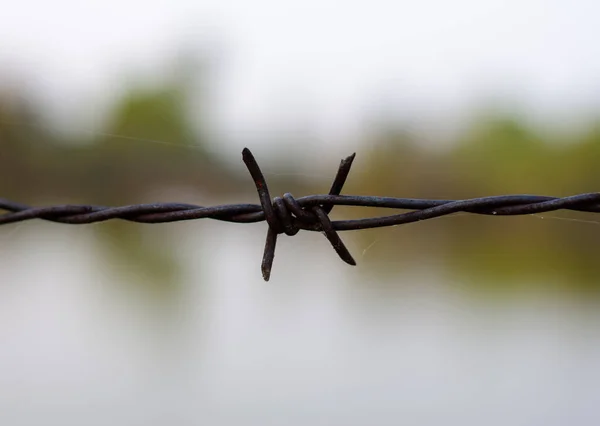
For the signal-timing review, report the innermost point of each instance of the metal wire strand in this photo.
(289, 215)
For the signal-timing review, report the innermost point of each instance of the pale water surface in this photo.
(318, 345)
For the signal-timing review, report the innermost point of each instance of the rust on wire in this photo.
(288, 215)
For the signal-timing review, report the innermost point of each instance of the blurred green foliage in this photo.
(499, 155)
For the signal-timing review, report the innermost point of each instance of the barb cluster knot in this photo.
(286, 215)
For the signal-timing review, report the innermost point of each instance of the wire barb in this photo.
(289, 215)
(281, 220)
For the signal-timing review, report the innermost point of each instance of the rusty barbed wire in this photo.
(288, 215)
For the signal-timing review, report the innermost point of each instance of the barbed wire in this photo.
(288, 215)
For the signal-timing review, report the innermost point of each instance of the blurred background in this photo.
(462, 320)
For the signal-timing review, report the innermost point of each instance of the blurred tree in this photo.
(151, 147)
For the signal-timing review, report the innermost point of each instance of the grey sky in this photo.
(324, 62)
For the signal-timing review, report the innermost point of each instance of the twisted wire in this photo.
(288, 215)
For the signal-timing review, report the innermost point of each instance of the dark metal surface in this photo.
(289, 215)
